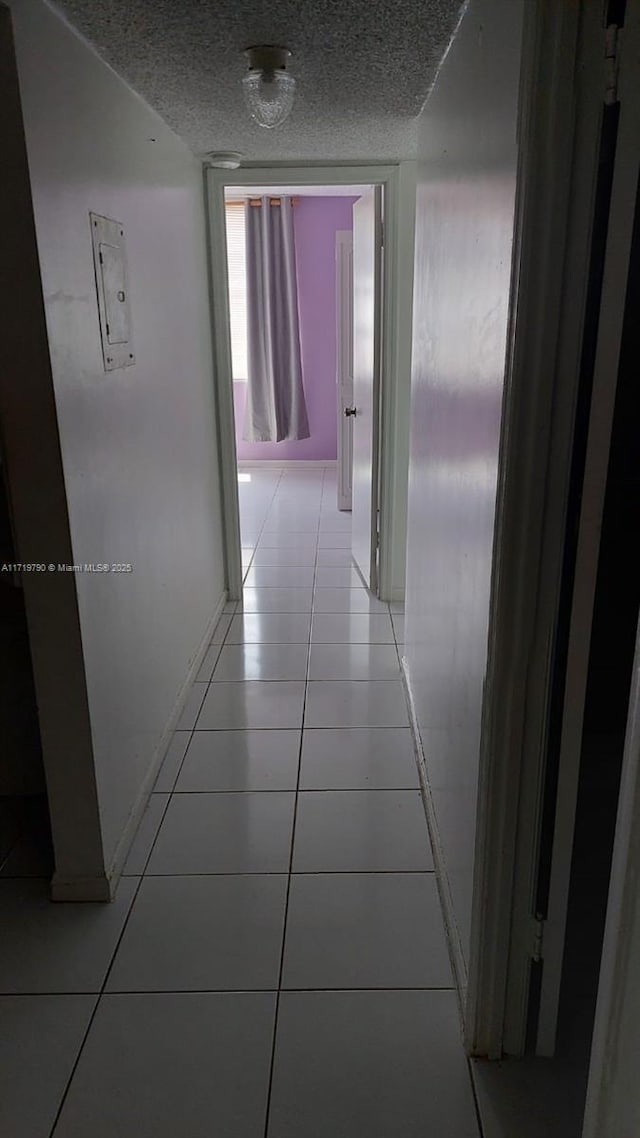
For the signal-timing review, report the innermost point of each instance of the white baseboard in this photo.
(306, 464)
(456, 954)
(104, 888)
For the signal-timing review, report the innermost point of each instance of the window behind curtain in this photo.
(234, 214)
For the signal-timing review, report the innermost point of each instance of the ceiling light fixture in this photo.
(268, 88)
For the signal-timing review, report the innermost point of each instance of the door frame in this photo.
(612, 1102)
(559, 134)
(606, 363)
(344, 363)
(396, 358)
(368, 229)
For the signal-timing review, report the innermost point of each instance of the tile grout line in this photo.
(141, 876)
(291, 851)
(261, 530)
(101, 992)
(220, 991)
(257, 991)
(305, 789)
(191, 732)
(290, 874)
(298, 873)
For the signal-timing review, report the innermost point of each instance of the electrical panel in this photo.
(112, 285)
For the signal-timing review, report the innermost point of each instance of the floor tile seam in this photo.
(207, 685)
(281, 727)
(319, 588)
(319, 726)
(373, 989)
(217, 873)
(217, 684)
(55, 992)
(225, 991)
(334, 680)
(303, 612)
(335, 643)
(143, 873)
(302, 588)
(257, 541)
(276, 526)
(474, 1092)
(218, 654)
(189, 731)
(101, 992)
(297, 679)
(335, 727)
(267, 990)
(367, 680)
(212, 730)
(289, 875)
(283, 790)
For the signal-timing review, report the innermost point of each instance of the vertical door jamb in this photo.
(223, 380)
(557, 165)
(344, 363)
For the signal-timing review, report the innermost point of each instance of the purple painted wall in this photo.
(316, 221)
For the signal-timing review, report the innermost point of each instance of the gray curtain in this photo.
(275, 408)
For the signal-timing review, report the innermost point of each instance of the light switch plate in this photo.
(112, 286)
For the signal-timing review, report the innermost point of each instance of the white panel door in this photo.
(365, 412)
(344, 364)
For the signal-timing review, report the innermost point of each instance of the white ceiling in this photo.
(364, 68)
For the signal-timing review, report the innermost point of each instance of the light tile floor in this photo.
(275, 965)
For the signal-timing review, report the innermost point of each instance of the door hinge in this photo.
(613, 36)
(537, 938)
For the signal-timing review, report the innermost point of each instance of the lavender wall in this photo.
(316, 221)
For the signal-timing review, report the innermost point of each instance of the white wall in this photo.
(464, 231)
(138, 444)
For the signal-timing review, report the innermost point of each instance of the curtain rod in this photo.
(258, 201)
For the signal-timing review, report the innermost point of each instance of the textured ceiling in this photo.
(364, 68)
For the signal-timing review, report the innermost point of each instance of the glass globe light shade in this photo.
(268, 96)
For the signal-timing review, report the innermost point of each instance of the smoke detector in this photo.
(224, 159)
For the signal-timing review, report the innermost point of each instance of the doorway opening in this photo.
(290, 303)
(294, 303)
(325, 208)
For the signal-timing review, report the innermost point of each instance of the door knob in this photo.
(350, 411)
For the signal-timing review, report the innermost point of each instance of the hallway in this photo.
(275, 962)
